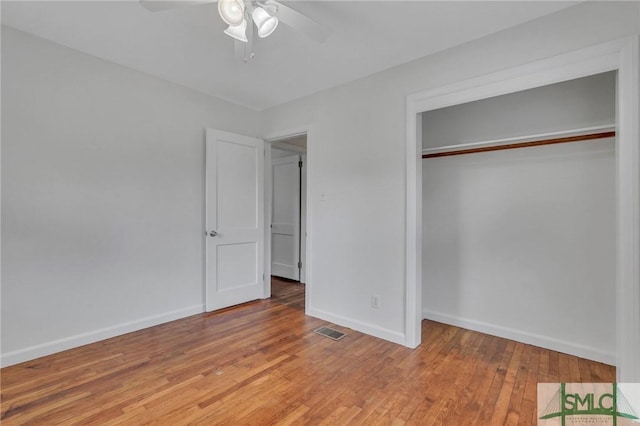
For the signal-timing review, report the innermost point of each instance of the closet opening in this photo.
(621, 56)
(519, 216)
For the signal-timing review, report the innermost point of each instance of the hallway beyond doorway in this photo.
(287, 292)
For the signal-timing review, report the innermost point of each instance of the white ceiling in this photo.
(187, 45)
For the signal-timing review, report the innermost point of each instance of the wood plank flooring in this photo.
(261, 364)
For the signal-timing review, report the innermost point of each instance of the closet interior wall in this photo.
(520, 243)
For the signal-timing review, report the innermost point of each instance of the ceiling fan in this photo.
(241, 15)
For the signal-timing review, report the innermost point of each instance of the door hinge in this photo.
(262, 277)
(299, 265)
(300, 163)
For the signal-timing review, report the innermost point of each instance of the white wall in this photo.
(575, 104)
(102, 196)
(521, 244)
(357, 158)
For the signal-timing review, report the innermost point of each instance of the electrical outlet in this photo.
(375, 301)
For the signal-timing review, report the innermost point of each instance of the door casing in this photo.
(306, 211)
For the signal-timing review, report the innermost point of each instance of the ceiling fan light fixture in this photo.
(265, 23)
(231, 11)
(239, 32)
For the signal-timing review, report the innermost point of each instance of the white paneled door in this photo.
(234, 219)
(285, 228)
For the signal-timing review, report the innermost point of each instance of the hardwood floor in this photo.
(261, 364)
(286, 292)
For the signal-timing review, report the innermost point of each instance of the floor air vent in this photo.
(330, 333)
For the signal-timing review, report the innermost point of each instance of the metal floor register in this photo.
(330, 333)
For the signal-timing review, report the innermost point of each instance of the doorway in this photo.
(242, 268)
(286, 210)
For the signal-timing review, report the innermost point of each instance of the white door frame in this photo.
(305, 211)
(618, 55)
(303, 219)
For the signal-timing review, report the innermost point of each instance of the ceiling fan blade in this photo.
(301, 23)
(160, 5)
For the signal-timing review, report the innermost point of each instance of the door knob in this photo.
(212, 233)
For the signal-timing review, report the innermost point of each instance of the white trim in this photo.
(303, 219)
(581, 63)
(528, 138)
(286, 134)
(621, 55)
(628, 215)
(413, 286)
(288, 147)
(268, 201)
(523, 337)
(375, 331)
(59, 345)
(280, 270)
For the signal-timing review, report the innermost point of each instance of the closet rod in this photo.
(578, 138)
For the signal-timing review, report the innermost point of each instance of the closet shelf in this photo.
(575, 135)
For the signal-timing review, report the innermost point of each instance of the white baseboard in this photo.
(373, 330)
(285, 271)
(523, 337)
(48, 348)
